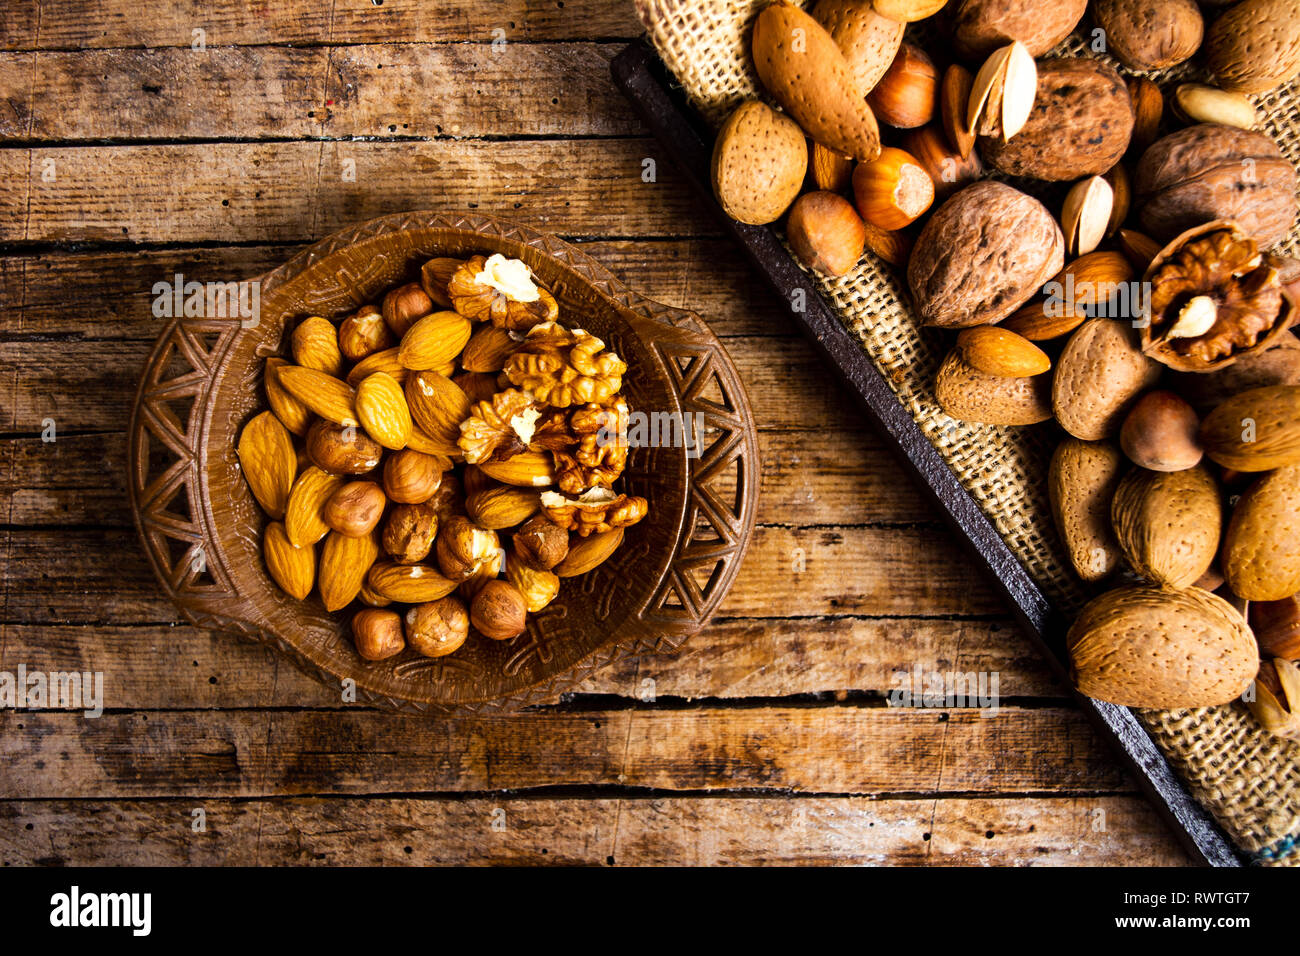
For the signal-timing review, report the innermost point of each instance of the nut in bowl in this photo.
(441, 537)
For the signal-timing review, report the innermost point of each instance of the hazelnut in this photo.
(409, 533)
(411, 477)
(1162, 433)
(377, 634)
(462, 546)
(825, 233)
(540, 543)
(404, 305)
(448, 500)
(364, 333)
(437, 628)
(489, 570)
(539, 588)
(499, 611)
(892, 191)
(908, 93)
(342, 449)
(355, 508)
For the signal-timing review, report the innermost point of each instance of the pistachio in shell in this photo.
(1168, 524)
(973, 396)
(1099, 376)
(1010, 245)
(1143, 646)
(1261, 551)
(1081, 482)
(1258, 430)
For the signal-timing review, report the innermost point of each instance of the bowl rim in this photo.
(219, 607)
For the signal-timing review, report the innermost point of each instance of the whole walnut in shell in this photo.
(1009, 246)
(1080, 125)
(981, 26)
(1150, 34)
(1208, 172)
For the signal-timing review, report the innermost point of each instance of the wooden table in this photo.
(216, 139)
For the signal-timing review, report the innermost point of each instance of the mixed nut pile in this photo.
(1150, 319)
(411, 434)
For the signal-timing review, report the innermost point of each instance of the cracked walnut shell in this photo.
(512, 302)
(564, 367)
(595, 512)
(1214, 298)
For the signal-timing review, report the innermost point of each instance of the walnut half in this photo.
(1214, 298)
(595, 512)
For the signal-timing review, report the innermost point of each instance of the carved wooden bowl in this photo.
(202, 529)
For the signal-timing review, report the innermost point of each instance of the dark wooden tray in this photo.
(687, 140)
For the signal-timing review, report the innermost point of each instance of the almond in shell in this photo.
(268, 461)
(1099, 376)
(1081, 483)
(759, 162)
(1261, 553)
(1151, 647)
(1258, 430)
(1168, 524)
(974, 396)
(868, 39)
(803, 68)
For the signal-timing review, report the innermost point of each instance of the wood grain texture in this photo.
(301, 191)
(100, 576)
(113, 288)
(717, 831)
(809, 478)
(244, 93)
(783, 376)
(178, 667)
(818, 750)
(118, 23)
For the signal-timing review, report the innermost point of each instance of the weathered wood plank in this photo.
(181, 667)
(89, 384)
(119, 23)
(294, 192)
(406, 90)
(808, 478)
(821, 750)
(701, 831)
(100, 575)
(114, 294)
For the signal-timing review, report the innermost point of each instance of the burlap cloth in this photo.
(1248, 779)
